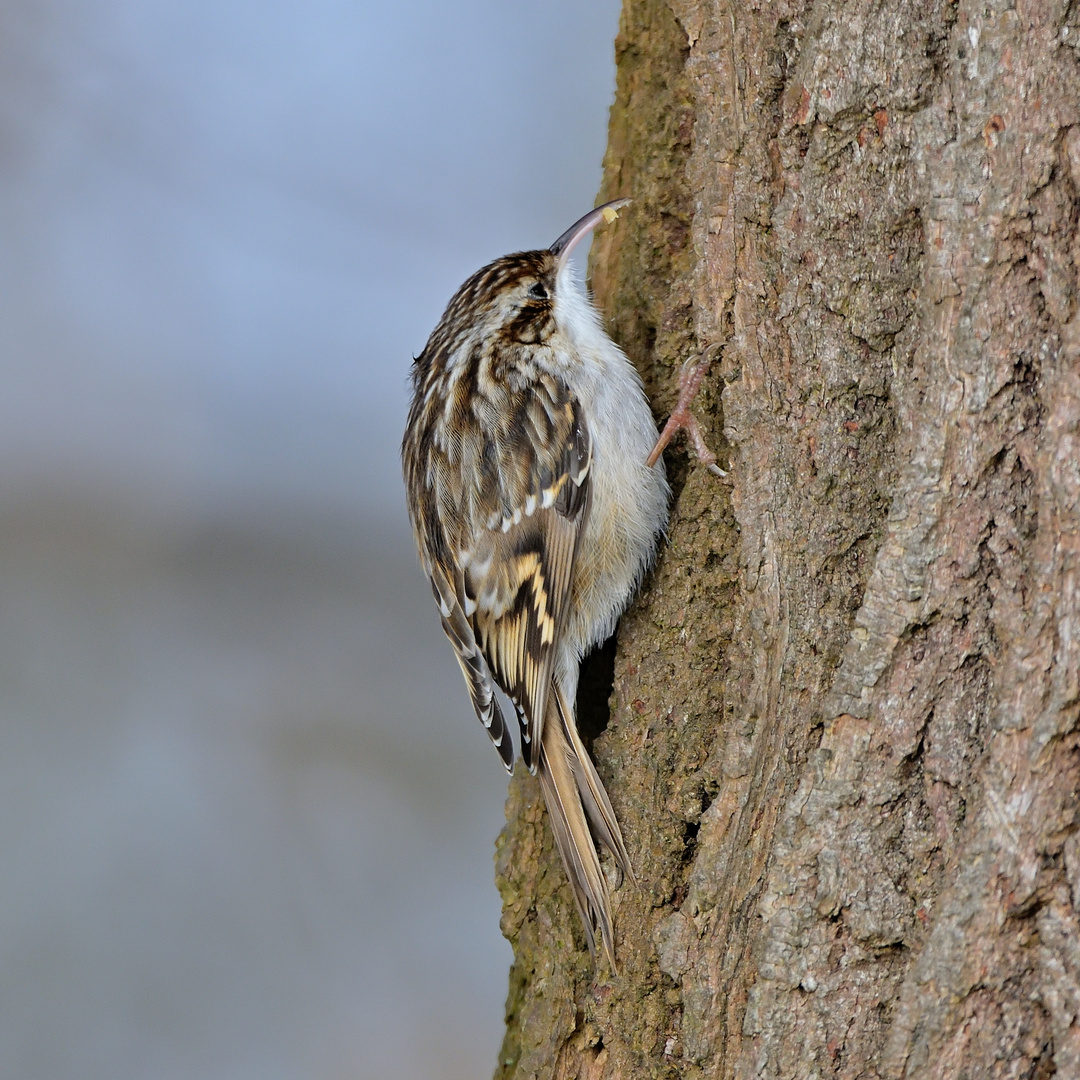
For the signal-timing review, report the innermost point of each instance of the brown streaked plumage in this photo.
(536, 516)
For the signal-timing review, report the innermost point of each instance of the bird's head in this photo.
(514, 298)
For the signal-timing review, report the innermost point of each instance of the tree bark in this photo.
(842, 738)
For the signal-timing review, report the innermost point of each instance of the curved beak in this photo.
(580, 229)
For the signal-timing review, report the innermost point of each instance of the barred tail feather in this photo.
(576, 800)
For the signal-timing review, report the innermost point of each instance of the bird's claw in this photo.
(682, 419)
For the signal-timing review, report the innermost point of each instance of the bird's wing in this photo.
(516, 554)
(440, 461)
(505, 494)
(518, 572)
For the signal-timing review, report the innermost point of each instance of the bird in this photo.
(536, 516)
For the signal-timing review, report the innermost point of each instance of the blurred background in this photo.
(246, 814)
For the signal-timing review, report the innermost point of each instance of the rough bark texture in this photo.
(843, 736)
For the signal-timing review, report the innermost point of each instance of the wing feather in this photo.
(501, 464)
(528, 567)
(473, 666)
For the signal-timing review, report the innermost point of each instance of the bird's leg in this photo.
(682, 419)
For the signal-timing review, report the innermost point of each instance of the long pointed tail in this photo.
(576, 800)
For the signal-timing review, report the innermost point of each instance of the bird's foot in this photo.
(682, 419)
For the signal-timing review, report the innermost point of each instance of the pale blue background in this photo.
(246, 815)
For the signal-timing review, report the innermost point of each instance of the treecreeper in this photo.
(538, 497)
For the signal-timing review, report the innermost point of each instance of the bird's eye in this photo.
(537, 291)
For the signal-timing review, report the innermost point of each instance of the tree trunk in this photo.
(842, 738)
